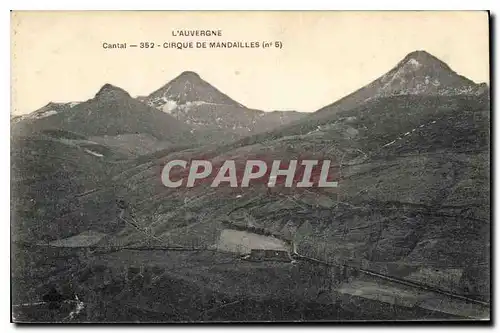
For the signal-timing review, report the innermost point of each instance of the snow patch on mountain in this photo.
(195, 102)
(91, 152)
(423, 74)
(410, 132)
(45, 114)
(169, 106)
(48, 110)
(414, 63)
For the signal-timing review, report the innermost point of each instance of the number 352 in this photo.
(146, 45)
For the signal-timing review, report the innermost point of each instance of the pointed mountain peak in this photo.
(189, 78)
(188, 88)
(421, 55)
(423, 59)
(52, 104)
(189, 74)
(418, 73)
(421, 73)
(109, 91)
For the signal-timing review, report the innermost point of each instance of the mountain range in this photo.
(418, 74)
(412, 148)
(195, 102)
(186, 109)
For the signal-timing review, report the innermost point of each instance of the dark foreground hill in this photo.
(55, 181)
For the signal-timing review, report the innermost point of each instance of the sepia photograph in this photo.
(250, 166)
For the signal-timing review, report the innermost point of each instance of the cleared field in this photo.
(86, 238)
(243, 242)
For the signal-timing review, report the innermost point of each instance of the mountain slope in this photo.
(418, 74)
(50, 109)
(405, 200)
(56, 183)
(195, 102)
(111, 112)
(188, 87)
(413, 199)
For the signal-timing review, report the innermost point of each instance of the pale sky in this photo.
(58, 56)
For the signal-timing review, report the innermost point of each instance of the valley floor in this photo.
(186, 286)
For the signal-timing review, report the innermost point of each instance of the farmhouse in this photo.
(268, 255)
